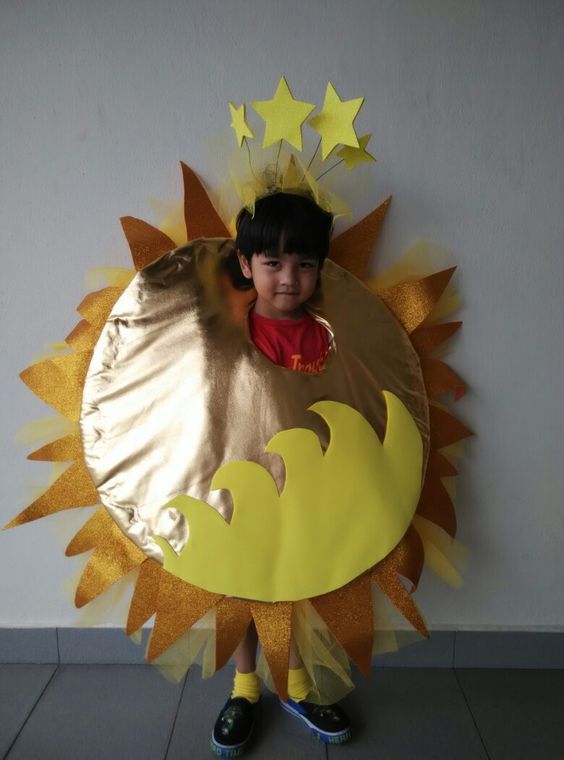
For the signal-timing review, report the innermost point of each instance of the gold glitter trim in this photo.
(348, 615)
(202, 220)
(353, 248)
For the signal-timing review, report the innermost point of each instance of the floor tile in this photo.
(20, 688)
(399, 713)
(509, 649)
(519, 713)
(278, 736)
(92, 712)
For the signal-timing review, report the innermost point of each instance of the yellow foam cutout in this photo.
(339, 513)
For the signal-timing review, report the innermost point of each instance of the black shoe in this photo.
(330, 723)
(233, 727)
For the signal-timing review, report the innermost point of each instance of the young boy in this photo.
(280, 249)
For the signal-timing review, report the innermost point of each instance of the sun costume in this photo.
(234, 490)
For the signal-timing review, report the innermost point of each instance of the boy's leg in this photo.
(235, 722)
(329, 723)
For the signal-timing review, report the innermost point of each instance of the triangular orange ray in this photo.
(179, 606)
(114, 556)
(74, 488)
(146, 242)
(411, 302)
(406, 559)
(83, 337)
(58, 382)
(401, 598)
(445, 428)
(440, 378)
(96, 307)
(65, 449)
(202, 220)
(96, 530)
(232, 618)
(353, 601)
(427, 337)
(436, 505)
(144, 600)
(274, 627)
(352, 249)
(439, 466)
(69, 369)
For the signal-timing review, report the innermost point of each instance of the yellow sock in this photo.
(246, 685)
(299, 684)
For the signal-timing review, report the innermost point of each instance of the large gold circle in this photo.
(175, 387)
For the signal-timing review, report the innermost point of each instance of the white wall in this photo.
(100, 99)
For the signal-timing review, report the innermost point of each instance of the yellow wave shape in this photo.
(339, 513)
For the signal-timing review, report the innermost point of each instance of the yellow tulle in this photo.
(444, 555)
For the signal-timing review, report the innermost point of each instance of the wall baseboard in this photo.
(445, 649)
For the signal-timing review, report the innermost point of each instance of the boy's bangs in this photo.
(285, 223)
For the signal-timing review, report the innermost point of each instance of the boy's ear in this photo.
(245, 266)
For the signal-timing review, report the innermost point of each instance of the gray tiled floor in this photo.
(130, 712)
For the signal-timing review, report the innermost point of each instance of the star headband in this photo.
(284, 118)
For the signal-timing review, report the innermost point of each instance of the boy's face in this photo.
(283, 282)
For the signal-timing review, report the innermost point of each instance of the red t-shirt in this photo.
(300, 344)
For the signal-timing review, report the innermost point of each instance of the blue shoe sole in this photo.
(226, 751)
(327, 738)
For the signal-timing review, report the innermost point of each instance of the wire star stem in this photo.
(330, 169)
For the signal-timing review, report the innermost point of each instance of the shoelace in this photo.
(327, 710)
(231, 714)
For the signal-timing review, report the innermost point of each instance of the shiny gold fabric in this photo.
(176, 388)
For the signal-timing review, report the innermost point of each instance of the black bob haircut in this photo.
(284, 223)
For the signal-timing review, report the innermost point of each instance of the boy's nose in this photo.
(289, 276)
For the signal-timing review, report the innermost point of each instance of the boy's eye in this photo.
(308, 264)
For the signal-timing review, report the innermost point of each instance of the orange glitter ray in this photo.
(436, 505)
(445, 428)
(58, 382)
(411, 302)
(274, 627)
(83, 337)
(347, 612)
(439, 378)
(439, 466)
(96, 307)
(114, 556)
(202, 220)
(144, 600)
(146, 242)
(232, 618)
(407, 558)
(179, 606)
(396, 592)
(352, 249)
(66, 449)
(74, 488)
(425, 338)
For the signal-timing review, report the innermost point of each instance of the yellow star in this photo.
(355, 156)
(239, 123)
(335, 122)
(283, 116)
